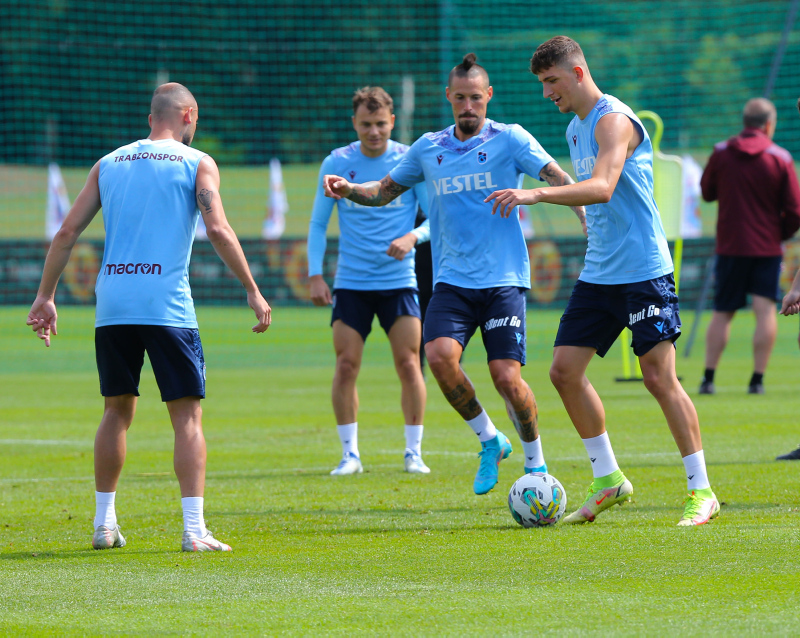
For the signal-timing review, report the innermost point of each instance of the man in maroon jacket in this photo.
(759, 207)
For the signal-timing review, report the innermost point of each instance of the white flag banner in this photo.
(277, 204)
(57, 201)
(526, 222)
(691, 221)
(201, 233)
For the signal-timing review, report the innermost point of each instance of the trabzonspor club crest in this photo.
(481, 157)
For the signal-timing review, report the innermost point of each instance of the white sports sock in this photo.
(696, 474)
(414, 438)
(601, 455)
(482, 426)
(193, 521)
(105, 513)
(534, 457)
(348, 435)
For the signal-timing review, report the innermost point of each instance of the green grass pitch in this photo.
(386, 553)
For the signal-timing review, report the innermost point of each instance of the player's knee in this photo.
(441, 365)
(507, 382)
(408, 368)
(120, 408)
(347, 368)
(657, 381)
(560, 376)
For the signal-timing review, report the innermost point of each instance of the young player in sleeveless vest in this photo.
(627, 280)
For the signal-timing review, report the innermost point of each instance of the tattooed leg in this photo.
(519, 399)
(462, 397)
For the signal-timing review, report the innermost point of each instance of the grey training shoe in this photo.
(105, 538)
(192, 543)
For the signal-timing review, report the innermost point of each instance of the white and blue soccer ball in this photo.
(537, 500)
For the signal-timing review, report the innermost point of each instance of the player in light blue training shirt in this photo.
(144, 276)
(627, 281)
(149, 192)
(374, 276)
(480, 261)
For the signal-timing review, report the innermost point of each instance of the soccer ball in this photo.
(537, 500)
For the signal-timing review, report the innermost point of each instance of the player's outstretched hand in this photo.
(336, 187)
(791, 303)
(509, 198)
(320, 293)
(262, 310)
(42, 319)
(400, 247)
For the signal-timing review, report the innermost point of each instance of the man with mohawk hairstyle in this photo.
(480, 262)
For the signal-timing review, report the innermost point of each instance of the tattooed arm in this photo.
(224, 240)
(554, 175)
(369, 194)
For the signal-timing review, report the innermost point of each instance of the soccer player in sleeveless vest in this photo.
(150, 191)
(374, 276)
(627, 280)
(480, 262)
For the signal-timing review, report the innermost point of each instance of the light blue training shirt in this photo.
(472, 248)
(365, 232)
(626, 237)
(147, 190)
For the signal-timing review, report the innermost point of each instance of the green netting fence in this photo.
(274, 79)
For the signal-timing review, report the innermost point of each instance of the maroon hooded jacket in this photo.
(759, 197)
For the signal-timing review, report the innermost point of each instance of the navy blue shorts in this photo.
(737, 277)
(457, 312)
(597, 313)
(357, 308)
(176, 355)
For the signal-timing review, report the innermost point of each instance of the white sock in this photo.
(414, 438)
(601, 455)
(348, 435)
(105, 512)
(193, 516)
(534, 457)
(482, 426)
(696, 474)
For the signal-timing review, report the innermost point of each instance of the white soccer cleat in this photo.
(415, 464)
(192, 543)
(105, 538)
(350, 464)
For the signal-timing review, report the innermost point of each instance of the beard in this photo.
(187, 137)
(468, 126)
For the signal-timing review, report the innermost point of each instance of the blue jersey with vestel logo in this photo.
(365, 232)
(147, 190)
(472, 248)
(626, 238)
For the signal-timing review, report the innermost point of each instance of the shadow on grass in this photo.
(84, 553)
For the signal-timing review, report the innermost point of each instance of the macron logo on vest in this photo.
(459, 183)
(133, 269)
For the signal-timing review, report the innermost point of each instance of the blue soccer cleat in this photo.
(494, 450)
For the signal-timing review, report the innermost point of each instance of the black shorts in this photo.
(597, 313)
(457, 312)
(737, 277)
(176, 355)
(357, 308)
